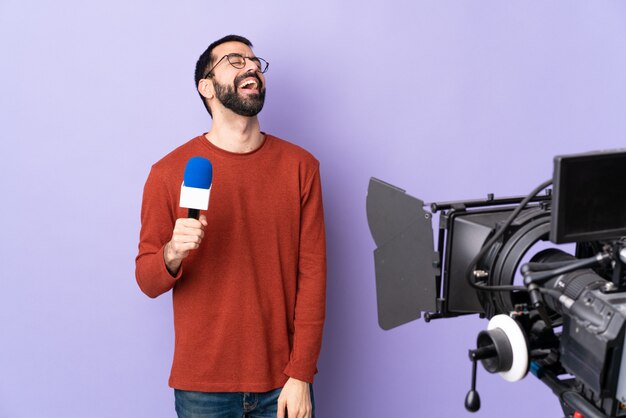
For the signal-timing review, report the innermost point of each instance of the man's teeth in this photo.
(247, 83)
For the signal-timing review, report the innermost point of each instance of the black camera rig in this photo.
(565, 322)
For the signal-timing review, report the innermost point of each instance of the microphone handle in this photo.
(193, 213)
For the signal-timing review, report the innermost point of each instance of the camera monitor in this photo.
(589, 199)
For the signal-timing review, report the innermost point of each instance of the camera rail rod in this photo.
(489, 201)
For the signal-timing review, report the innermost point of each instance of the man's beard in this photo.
(250, 105)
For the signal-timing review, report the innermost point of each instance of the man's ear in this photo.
(205, 88)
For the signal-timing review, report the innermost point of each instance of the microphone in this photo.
(196, 187)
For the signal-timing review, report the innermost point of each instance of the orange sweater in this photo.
(249, 303)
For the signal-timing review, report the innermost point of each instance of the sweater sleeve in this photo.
(157, 224)
(311, 287)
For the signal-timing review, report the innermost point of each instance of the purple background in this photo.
(447, 99)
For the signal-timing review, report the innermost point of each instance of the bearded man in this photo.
(248, 278)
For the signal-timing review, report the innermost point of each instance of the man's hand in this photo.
(296, 397)
(187, 236)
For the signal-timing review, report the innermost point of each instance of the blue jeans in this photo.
(229, 404)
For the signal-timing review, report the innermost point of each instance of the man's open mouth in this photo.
(249, 84)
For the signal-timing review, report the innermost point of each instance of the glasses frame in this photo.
(262, 64)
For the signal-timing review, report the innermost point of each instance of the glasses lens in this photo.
(256, 62)
(262, 64)
(236, 60)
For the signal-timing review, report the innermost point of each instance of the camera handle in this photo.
(503, 349)
(472, 400)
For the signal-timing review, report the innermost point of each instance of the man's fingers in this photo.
(190, 222)
(189, 230)
(292, 409)
(281, 408)
(192, 236)
(185, 244)
(186, 229)
(188, 234)
(295, 410)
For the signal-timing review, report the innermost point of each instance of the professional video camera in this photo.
(565, 323)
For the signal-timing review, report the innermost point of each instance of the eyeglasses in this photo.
(239, 61)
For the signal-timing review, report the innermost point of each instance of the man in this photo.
(249, 275)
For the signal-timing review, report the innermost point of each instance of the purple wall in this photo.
(447, 99)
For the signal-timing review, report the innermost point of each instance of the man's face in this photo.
(240, 90)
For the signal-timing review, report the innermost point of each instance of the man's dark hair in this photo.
(207, 60)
